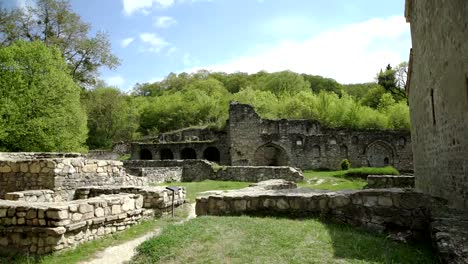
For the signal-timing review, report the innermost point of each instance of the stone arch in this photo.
(166, 154)
(379, 154)
(212, 154)
(270, 155)
(188, 153)
(145, 154)
(316, 152)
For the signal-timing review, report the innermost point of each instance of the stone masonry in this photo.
(199, 170)
(400, 212)
(438, 97)
(249, 140)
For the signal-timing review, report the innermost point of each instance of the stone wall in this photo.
(62, 175)
(438, 97)
(159, 199)
(389, 181)
(307, 144)
(103, 155)
(374, 209)
(39, 228)
(216, 151)
(199, 170)
(405, 214)
(45, 196)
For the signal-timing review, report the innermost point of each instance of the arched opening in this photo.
(386, 161)
(270, 155)
(188, 153)
(212, 154)
(166, 154)
(145, 154)
(379, 154)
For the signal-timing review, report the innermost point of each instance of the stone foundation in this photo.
(389, 181)
(42, 196)
(381, 210)
(199, 170)
(40, 228)
(62, 173)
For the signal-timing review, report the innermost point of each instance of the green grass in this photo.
(194, 188)
(354, 178)
(274, 240)
(86, 250)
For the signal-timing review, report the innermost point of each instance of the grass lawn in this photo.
(193, 188)
(274, 240)
(86, 250)
(341, 180)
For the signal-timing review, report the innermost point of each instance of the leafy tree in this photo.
(283, 82)
(388, 80)
(54, 23)
(318, 83)
(110, 117)
(40, 106)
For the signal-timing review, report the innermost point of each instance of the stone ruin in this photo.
(249, 140)
(52, 201)
(404, 214)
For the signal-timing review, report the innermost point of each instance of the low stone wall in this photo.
(199, 170)
(159, 174)
(157, 198)
(403, 212)
(40, 228)
(257, 174)
(373, 209)
(44, 196)
(103, 155)
(389, 181)
(62, 175)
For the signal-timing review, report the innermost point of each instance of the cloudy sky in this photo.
(348, 40)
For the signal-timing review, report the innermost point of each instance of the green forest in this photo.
(51, 97)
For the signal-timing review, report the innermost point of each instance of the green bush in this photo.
(363, 172)
(345, 164)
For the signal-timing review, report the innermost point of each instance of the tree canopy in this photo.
(55, 24)
(40, 106)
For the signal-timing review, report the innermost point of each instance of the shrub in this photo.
(345, 164)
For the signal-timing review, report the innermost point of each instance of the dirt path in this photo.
(124, 252)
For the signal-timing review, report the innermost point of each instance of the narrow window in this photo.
(433, 109)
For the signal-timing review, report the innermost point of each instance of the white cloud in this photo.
(350, 54)
(164, 21)
(126, 42)
(117, 81)
(132, 6)
(155, 43)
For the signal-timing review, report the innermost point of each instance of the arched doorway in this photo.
(379, 154)
(212, 154)
(188, 153)
(145, 154)
(166, 154)
(270, 155)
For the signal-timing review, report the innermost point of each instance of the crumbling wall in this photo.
(306, 144)
(62, 175)
(199, 170)
(438, 97)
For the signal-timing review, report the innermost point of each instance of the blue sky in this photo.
(348, 40)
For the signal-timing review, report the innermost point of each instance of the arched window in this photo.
(166, 154)
(271, 155)
(188, 153)
(145, 154)
(212, 154)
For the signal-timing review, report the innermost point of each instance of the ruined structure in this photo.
(438, 97)
(249, 140)
(52, 201)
